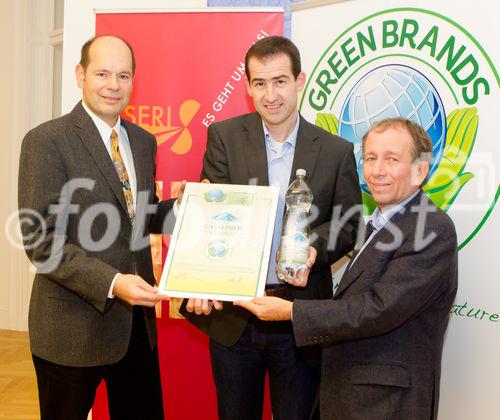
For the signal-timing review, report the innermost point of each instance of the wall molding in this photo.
(30, 103)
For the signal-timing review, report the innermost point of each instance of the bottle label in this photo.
(294, 249)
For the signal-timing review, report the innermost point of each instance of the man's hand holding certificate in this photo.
(221, 243)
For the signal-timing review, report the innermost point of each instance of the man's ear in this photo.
(421, 172)
(80, 75)
(247, 84)
(301, 81)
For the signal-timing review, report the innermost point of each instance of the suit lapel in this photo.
(354, 270)
(368, 255)
(351, 274)
(307, 151)
(255, 150)
(91, 139)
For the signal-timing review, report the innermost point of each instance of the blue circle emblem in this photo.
(215, 196)
(387, 92)
(217, 249)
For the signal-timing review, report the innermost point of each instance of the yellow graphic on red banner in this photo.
(151, 119)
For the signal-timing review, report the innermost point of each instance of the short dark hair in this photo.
(271, 46)
(422, 144)
(85, 58)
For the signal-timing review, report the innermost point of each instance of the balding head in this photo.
(85, 53)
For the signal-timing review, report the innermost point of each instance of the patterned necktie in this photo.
(122, 173)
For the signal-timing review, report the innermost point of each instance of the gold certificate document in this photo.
(221, 242)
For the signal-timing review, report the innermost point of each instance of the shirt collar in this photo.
(291, 139)
(102, 126)
(380, 218)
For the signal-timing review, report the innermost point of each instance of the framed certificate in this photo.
(221, 242)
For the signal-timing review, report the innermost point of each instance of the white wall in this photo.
(6, 28)
(15, 119)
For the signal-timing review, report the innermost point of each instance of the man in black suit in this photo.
(87, 188)
(267, 147)
(383, 331)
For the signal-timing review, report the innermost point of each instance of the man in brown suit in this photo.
(87, 188)
(383, 331)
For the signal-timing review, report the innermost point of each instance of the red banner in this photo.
(190, 73)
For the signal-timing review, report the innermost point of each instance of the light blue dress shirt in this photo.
(279, 166)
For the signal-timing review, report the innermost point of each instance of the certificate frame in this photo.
(221, 243)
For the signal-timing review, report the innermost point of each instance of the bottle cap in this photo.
(300, 172)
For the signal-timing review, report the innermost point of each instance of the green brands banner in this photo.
(435, 63)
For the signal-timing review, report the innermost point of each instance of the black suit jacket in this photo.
(383, 331)
(236, 154)
(71, 320)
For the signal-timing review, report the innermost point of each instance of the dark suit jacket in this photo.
(71, 320)
(236, 154)
(384, 329)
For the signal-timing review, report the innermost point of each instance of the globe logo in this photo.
(217, 249)
(393, 91)
(215, 196)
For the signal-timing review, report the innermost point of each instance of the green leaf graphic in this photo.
(369, 203)
(444, 198)
(328, 122)
(447, 181)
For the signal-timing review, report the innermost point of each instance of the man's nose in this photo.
(270, 92)
(379, 167)
(113, 82)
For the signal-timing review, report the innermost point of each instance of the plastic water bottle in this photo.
(294, 247)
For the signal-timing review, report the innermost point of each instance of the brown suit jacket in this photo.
(71, 320)
(383, 331)
(236, 154)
